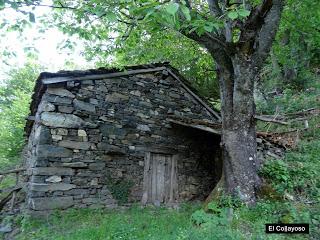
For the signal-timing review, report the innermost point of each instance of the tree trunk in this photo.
(238, 65)
(239, 146)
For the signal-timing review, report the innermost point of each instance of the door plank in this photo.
(146, 178)
(167, 178)
(173, 180)
(160, 178)
(154, 178)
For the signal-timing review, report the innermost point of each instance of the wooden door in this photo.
(160, 178)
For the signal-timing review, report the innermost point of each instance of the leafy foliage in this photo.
(120, 190)
(15, 97)
(295, 51)
(197, 66)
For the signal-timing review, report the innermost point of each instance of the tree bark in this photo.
(240, 162)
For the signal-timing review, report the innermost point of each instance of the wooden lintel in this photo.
(153, 149)
(101, 76)
(200, 127)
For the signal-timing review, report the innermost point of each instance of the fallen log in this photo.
(8, 190)
(7, 198)
(273, 120)
(17, 170)
(290, 116)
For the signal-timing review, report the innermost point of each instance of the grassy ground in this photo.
(164, 224)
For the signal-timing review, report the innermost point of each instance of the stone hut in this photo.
(99, 138)
(104, 137)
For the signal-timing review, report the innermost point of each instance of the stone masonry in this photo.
(88, 136)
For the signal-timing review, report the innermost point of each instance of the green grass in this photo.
(166, 224)
(133, 223)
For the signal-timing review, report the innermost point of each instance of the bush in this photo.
(298, 173)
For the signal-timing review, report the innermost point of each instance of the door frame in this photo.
(147, 175)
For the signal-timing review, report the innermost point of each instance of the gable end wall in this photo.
(91, 137)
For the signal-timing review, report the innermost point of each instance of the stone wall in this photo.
(90, 136)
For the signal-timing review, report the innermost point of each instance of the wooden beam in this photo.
(101, 76)
(200, 127)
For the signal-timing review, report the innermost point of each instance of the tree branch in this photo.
(45, 5)
(254, 23)
(266, 35)
(214, 8)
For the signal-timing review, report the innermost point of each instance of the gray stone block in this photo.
(75, 165)
(46, 151)
(49, 171)
(109, 129)
(61, 120)
(91, 200)
(144, 128)
(60, 92)
(110, 148)
(78, 191)
(54, 179)
(174, 95)
(51, 187)
(57, 99)
(65, 109)
(116, 97)
(97, 166)
(42, 135)
(46, 107)
(50, 203)
(80, 105)
(75, 145)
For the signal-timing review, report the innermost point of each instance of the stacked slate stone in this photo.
(90, 134)
(267, 149)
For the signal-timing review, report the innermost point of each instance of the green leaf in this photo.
(172, 8)
(112, 17)
(32, 18)
(2, 3)
(186, 12)
(233, 15)
(99, 11)
(193, 29)
(150, 12)
(243, 12)
(208, 28)
(214, 207)
(14, 5)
